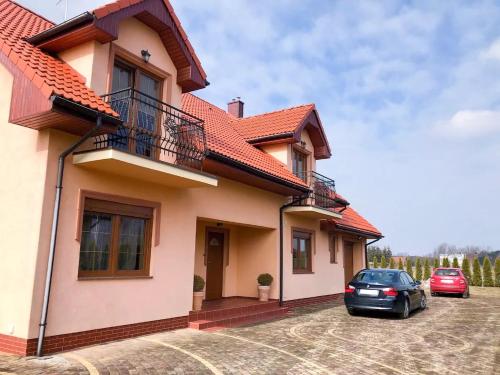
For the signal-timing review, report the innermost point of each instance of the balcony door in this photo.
(135, 98)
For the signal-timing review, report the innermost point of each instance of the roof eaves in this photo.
(63, 27)
(272, 138)
(352, 229)
(255, 171)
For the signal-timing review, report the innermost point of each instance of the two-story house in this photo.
(119, 185)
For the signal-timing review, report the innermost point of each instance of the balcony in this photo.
(156, 142)
(321, 201)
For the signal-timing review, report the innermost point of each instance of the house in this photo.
(399, 258)
(119, 185)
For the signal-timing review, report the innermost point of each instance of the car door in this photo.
(404, 283)
(413, 291)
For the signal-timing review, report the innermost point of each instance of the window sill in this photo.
(303, 272)
(90, 278)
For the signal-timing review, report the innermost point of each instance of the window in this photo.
(447, 272)
(410, 279)
(299, 164)
(331, 247)
(139, 111)
(115, 240)
(301, 250)
(376, 276)
(404, 280)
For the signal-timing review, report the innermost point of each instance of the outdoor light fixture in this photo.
(145, 55)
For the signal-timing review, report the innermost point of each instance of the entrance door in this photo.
(215, 264)
(348, 261)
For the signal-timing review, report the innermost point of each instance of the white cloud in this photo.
(468, 123)
(493, 52)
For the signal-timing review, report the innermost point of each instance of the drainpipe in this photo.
(366, 249)
(53, 233)
(282, 209)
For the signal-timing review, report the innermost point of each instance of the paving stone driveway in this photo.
(453, 336)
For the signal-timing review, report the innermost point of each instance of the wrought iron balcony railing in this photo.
(154, 130)
(322, 193)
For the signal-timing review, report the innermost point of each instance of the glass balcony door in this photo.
(147, 114)
(135, 97)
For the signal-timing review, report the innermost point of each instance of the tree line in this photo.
(479, 276)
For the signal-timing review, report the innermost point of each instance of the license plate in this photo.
(447, 281)
(368, 292)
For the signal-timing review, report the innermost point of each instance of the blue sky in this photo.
(408, 92)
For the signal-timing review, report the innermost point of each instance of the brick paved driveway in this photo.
(453, 336)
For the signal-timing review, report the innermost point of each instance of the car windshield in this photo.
(447, 273)
(377, 277)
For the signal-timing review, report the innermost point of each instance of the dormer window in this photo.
(299, 163)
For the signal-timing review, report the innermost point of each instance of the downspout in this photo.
(53, 233)
(366, 249)
(282, 209)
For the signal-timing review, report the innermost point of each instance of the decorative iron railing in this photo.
(154, 129)
(322, 193)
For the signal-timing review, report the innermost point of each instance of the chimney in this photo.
(235, 107)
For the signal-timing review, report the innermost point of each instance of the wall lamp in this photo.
(145, 55)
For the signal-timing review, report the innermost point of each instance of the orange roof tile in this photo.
(222, 138)
(120, 4)
(49, 74)
(272, 123)
(353, 220)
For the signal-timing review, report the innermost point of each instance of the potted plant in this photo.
(198, 285)
(265, 280)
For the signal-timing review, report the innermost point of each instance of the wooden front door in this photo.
(215, 264)
(348, 261)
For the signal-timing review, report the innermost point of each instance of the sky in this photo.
(408, 93)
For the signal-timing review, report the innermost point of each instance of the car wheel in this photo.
(466, 294)
(406, 311)
(423, 302)
(351, 312)
(434, 294)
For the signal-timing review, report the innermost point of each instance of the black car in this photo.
(386, 290)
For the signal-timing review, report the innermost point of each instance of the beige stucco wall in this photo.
(78, 305)
(283, 151)
(23, 169)
(135, 36)
(251, 251)
(280, 151)
(326, 278)
(92, 59)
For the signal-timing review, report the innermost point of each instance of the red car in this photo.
(449, 280)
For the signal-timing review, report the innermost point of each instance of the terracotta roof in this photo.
(222, 138)
(353, 220)
(284, 121)
(120, 4)
(48, 73)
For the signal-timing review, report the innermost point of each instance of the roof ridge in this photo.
(207, 102)
(276, 111)
(30, 11)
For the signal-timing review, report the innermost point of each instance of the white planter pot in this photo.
(263, 293)
(197, 300)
